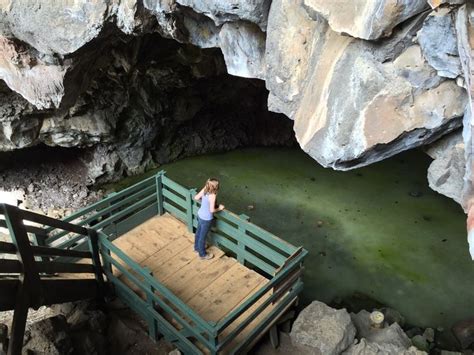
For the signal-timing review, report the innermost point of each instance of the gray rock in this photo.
(366, 19)
(429, 334)
(464, 332)
(464, 29)
(420, 342)
(393, 316)
(391, 334)
(366, 348)
(446, 172)
(438, 42)
(49, 336)
(320, 329)
(243, 46)
(221, 11)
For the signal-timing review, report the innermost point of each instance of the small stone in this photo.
(420, 342)
(415, 194)
(320, 224)
(393, 316)
(429, 334)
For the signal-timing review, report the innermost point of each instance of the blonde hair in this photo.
(212, 186)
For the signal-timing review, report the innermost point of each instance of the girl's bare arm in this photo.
(199, 195)
(212, 204)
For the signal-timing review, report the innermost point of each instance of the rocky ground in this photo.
(320, 329)
(47, 180)
(85, 328)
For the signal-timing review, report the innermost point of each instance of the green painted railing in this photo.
(164, 312)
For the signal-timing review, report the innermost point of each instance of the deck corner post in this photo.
(159, 191)
(94, 248)
(189, 208)
(152, 322)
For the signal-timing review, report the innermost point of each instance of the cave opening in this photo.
(150, 102)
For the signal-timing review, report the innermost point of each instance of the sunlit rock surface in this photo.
(366, 19)
(355, 102)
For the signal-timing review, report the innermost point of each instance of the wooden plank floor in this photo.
(213, 288)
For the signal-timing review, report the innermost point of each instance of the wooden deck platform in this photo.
(212, 288)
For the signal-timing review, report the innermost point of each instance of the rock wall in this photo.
(362, 81)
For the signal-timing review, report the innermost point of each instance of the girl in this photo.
(205, 215)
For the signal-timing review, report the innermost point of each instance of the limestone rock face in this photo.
(79, 24)
(221, 11)
(366, 19)
(351, 105)
(320, 329)
(243, 46)
(437, 39)
(38, 81)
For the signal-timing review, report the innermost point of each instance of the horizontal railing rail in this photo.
(114, 214)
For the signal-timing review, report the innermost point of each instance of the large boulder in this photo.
(320, 329)
(49, 336)
(355, 102)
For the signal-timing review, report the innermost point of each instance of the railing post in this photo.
(240, 243)
(152, 322)
(189, 209)
(159, 191)
(94, 248)
(30, 283)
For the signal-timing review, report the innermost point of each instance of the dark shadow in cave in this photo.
(153, 101)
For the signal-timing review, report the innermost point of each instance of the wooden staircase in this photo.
(34, 278)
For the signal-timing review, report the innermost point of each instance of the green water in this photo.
(384, 232)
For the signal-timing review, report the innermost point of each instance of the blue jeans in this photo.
(200, 236)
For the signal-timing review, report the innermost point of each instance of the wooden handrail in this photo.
(30, 229)
(48, 221)
(48, 251)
